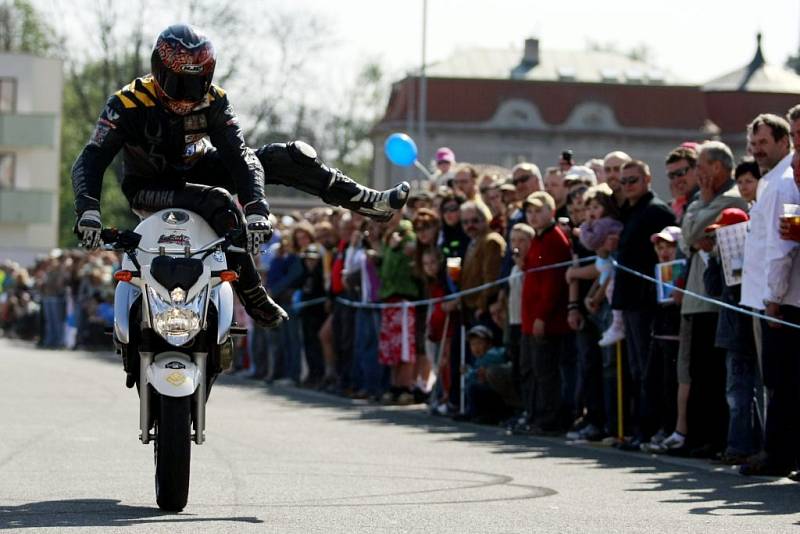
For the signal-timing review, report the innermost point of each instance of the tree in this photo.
(22, 30)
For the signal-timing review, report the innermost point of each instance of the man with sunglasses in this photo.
(681, 166)
(527, 179)
(183, 148)
(643, 215)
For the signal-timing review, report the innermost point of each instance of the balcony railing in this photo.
(27, 130)
(21, 206)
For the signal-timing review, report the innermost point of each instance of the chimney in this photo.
(531, 56)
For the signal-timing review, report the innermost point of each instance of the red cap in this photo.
(727, 217)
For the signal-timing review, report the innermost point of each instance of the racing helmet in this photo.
(182, 64)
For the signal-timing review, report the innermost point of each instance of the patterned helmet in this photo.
(182, 63)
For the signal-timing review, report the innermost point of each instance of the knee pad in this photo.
(224, 215)
(295, 164)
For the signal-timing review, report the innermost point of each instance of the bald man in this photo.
(612, 169)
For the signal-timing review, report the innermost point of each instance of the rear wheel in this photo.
(172, 450)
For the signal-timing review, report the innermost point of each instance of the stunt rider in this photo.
(183, 148)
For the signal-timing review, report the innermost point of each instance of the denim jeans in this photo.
(739, 391)
(590, 374)
(284, 350)
(638, 337)
(54, 309)
(366, 369)
(258, 349)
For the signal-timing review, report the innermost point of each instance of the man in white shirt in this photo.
(781, 365)
(769, 143)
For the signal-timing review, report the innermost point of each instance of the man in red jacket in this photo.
(545, 295)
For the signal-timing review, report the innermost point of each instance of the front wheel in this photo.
(172, 451)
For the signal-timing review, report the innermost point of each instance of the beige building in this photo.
(506, 106)
(30, 144)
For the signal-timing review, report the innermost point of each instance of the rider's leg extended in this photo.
(296, 165)
(217, 207)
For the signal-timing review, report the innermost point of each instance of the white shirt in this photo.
(515, 296)
(783, 282)
(764, 220)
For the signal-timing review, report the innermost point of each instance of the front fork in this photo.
(198, 398)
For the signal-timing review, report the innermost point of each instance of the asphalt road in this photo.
(287, 460)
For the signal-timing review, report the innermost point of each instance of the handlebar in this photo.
(128, 242)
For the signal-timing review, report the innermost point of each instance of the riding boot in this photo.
(378, 205)
(296, 165)
(255, 299)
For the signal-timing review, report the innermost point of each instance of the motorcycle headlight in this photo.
(177, 321)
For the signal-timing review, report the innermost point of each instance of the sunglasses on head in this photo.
(521, 179)
(630, 180)
(678, 172)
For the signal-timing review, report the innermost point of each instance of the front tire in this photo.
(172, 450)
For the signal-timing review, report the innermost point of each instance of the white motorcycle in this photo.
(173, 322)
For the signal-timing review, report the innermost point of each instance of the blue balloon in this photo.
(400, 149)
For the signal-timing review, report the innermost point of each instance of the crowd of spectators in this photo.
(563, 261)
(65, 300)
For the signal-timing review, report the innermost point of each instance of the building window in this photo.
(8, 95)
(6, 170)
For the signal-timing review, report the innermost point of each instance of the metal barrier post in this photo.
(620, 430)
(463, 362)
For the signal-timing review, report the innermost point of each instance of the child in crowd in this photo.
(483, 404)
(312, 316)
(748, 176)
(597, 234)
(397, 341)
(521, 236)
(662, 372)
(438, 326)
(544, 317)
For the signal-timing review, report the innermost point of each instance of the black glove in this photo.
(88, 229)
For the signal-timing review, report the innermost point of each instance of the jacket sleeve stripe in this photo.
(127, 102)
(143, 98)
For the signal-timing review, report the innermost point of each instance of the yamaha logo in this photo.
(175, 217)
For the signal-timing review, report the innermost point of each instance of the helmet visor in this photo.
(191, 87)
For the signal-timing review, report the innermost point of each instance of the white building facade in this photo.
(30, 148)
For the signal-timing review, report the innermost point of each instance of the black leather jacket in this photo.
(160, 147)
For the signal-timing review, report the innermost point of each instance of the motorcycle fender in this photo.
(124, 297)
(174, 374)
(223, 300)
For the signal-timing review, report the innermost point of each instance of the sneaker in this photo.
(577, 426)
(658, 437)
(611, 336)
(674, 442)
(590, 433)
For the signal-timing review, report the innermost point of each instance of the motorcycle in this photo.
(173, 327)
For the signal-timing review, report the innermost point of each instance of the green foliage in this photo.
(22, 30)
(83, 101)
